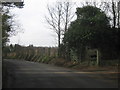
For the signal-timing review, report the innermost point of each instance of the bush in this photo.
(109, 63)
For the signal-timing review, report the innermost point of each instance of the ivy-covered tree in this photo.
(7, 19)
(91, 28)
(7, 22)
(6, 28)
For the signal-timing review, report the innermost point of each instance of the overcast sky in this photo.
(32, 21)
(31, 18)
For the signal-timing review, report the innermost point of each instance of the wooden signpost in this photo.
(93, 55)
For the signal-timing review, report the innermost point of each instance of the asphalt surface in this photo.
(25, 74)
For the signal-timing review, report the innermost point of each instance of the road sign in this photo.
(93, 55)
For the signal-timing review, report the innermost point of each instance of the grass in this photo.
(84, 66)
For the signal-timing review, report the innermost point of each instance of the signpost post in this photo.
(2, 2)
(97, 57)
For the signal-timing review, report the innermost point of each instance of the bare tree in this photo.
(60, 16)
(54, 20)
(112, 8)
(118, 5)
(115, 12)
(68, 14)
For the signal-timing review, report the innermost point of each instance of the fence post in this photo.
(97, 57)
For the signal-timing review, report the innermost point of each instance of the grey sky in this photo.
(32, 20)
(31, 17)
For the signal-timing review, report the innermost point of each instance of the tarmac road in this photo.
(25, 74)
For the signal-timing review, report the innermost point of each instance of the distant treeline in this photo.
(29, 53)
(47, 54)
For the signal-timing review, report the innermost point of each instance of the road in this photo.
(25, 74)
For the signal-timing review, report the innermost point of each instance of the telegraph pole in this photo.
(2, 3)
(0, 46)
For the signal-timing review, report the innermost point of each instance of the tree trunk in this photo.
(114, 14)
(59, 46)
(118, 14)
(67, 51)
